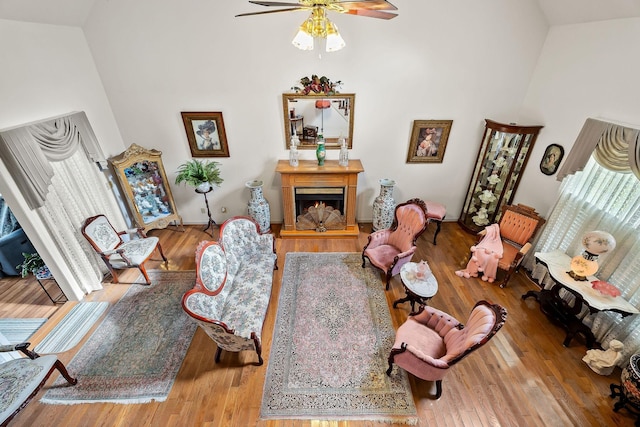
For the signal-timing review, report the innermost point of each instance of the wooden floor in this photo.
(523, 376)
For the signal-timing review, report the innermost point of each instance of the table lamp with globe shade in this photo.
(595, 243)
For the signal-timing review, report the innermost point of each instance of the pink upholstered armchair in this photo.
(391, 248)
(431, 341)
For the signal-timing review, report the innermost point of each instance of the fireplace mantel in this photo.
(309, 174)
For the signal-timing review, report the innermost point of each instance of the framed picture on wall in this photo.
(428, 141)
(551, 159)
(206, 134)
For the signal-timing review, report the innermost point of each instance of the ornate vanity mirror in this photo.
(313, 114)
(144, 185)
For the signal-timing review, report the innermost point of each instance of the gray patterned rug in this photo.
(17, 330)
(72, 328)
(330, 346)
(135, 353)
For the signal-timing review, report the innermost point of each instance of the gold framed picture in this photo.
(206, 134)
(428, 141)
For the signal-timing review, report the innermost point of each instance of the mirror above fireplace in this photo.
(310, 115)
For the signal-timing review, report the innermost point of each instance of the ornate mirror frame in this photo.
(143, 183)
(309, 115)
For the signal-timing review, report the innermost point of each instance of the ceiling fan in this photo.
(318, 25)
(370, 8)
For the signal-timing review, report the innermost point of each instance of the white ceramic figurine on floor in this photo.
(602, 362)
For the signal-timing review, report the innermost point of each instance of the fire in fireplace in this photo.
(319, 208)
(306, 197)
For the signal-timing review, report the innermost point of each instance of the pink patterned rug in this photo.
(330, 346)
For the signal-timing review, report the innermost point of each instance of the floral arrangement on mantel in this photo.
(317, 85)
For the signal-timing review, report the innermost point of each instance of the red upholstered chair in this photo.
(430, 342)
(391, 248)
(117, 253)
(518, 225)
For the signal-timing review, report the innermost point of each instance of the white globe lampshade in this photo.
(598, 242)
(583, 267)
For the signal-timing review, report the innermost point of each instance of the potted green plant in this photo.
(200, 174)
(33, 264)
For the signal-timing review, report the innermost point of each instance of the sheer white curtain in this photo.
(78, 190)
(600, 199)
(53, 163)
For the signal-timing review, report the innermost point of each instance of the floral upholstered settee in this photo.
(233, 286)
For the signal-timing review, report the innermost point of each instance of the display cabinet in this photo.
(144, 185)
(502, 157)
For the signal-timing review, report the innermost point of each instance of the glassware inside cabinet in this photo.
(501, 159)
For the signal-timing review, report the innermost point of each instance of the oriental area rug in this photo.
(331, 342)
(135, 353)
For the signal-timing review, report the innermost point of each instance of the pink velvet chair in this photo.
(430, 342)
(436, 212)
(391, 248)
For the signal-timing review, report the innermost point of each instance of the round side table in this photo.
(417, 290)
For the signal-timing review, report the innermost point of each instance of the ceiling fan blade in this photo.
(271, 11)
(366, 4)
(371, 13)
(275, 3)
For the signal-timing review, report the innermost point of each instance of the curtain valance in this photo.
(613, 146)
(28, 150)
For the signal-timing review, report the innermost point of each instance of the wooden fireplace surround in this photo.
(309, 174)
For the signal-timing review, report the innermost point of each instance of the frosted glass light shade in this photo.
(334, 41)
(303, 40)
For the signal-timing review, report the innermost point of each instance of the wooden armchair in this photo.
(22, 378)
(518, 225)
(117, 253)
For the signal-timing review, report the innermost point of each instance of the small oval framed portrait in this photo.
(551, 159)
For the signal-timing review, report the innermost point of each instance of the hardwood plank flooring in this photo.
(524, 376)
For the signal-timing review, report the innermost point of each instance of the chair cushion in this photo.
(435, 210)
(509, 253)
(18, 379)
(421, 337)
(137, 251)
(481, 322)
(248, 299)
(382, 256)
(102, 234)
(517, 227)
(411, 220)
(212, 266)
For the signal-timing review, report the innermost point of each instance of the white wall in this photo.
(585, 70)
(463, 60)
(48, 71)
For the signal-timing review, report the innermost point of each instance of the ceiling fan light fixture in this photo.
(303, 39)
(335, 41)
(318, 26)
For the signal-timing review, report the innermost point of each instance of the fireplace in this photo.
(305, 197)
(319, 208)
(319, 201)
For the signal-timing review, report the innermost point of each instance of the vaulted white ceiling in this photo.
(558, 12)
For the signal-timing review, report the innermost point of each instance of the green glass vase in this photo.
(321, 151)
